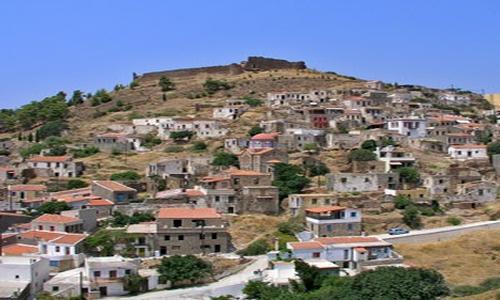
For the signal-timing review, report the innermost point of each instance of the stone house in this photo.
(342, 141)
(297, 98)
(203, 128)
(438, 185)
(231, 110)
(476, 192)
(182, 231)
(467, 151)
(361, 182)
(21, 195)
(58, 223)
(236, 145)
(179, 172)
(55, 166)
(375, 84)
(417, 195)
(394, 158)
(103, 207)
(412, 127)
(264, 140)
(114, 191)
(298, 203)
(87, 215)
(118, 142)
(261, 160)
(327, 221)
(297, 139)
(357, 102)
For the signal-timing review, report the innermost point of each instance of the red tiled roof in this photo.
(238, 172)
(306, 245)
(188, 213)
(40, 235)
(194, 193)
(19, 249)
(100, 202)
(27, 187)
(82, 191)
(213, 179)
(347, 240)
(69, 239)
(52, 218)
(325, 209)
(360, 249)
(40, 158)
(76, 198)
(114, 186)
(264, 136)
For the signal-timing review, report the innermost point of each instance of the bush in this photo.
(255, 130)
(369, 145)
(493, 148)
(126, 176)
(225, 159)
(289, 179)
(76, 184)
(211, 86)
(409, 175)
(181, 135)
(361, 155)
(53, 128)
(401, 202)
(135, 284)
(313, 147)
(199, 146)
(85, 152)
(150, 141)
(453, 221)
(166, 84)
(258, 247)
(253, 102)
(291, 227)
(179, 268)
(174, 149)
(411, 217)
(317, 169)
(34, 149)
(133, 84)
(52, 207)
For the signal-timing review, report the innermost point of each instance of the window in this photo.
(58, 248)
(353, 214)
(97, 273)
(40, 227)
(177, 223)
(180, 237)
(17, 276)
(346, 254)
(329, 227)
(166, 237)
(314, 201)
(316, 254)
(217, 198)
(327, 201)
(55, 288)
(214, 236)
(54, 263)
(52, 228)
(343, 180)
(127, 272)
(202, 236)
(112, 274)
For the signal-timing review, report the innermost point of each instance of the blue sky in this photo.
(48, 46)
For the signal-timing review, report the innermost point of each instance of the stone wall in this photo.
(260, 63)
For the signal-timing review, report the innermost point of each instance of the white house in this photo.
(22, 277)
(350, 252)
(330, 220)
(55, 166)
(203, 128)
(412, 127)
(468, 151)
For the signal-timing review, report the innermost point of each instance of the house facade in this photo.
(55, 166)
(327, 221)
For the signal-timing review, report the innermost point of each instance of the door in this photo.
(103, 290)
(217, 248)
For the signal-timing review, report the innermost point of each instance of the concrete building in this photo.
(114, 191)
(298, 203)
(412, 127)
(59, 223)
(394, 158)
(361, 182)
(468, 151)
(55, 166)
(261, 160)
(299, 138)
(118, 142)
(327, 221)
(23, 195)
(87, 215)
(22, 277)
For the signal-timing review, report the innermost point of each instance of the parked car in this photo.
(397, 230)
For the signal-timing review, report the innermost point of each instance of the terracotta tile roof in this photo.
(6, 169)
(347, 240)
(40, 158)
(265, 136)
(259, 151)
(194, 193)
(467, 146)
(325, 209)
(188, 213)
(76, 198)
(114, 186)
(306, 245)
(360, 249)
(238, 172)
(27, 187)
(213, 179)
(100, 202)
(41, 235)
(52, 218)
(69, 239)
(19, 249)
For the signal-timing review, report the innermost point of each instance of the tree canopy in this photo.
(177, 268)
(166, 84)
(361, 155)
(225, 159)
(126, 176)
(289, 179)
(255, 130)
(409, 174)
(369, 145)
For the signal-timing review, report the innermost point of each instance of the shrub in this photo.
(225, 159)
(361, 155)
(311, 147)
(369, 145)
(34, 149)
(126, 176)
(150, 141)
(199, 146)
(289, 179)
(53, 128)
(211, 86)
(317, 169)
(411, 217)
(453, 221)
(409, 174)
(179, 268)
(255, 130)
(166, 84)
(493, 148)
(76, 184)
(291, 227)
(401, 202)
(174, 149)
(181, 135)
(134, 84)
(257, 247)
(85, 152)
(253, 102)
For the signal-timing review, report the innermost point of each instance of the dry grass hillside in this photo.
(466, 260)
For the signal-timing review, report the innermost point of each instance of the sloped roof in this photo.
(188, 213)
(40, 158)
(53, 218)
(27, 187)
(114, 186)
(19, 249)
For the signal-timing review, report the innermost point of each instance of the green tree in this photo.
(34, 149)
(76, 98)
(225, 159)
(369, 145)
(253, 102)
(30, 137)
(361, 155)
(52, 128)
(199, 146)
(135, 284)
(255, 130)
(409, 175)
(289, 179)
(257, 247)
(57, 150)
(310, 276)
(126, 176)
(259, 290)
(317, 169)
(493, 148)
(52, 207)
(166, 84)
(76, 184)
(411, 217)
(177, 269)
(85, 152)
(401, 202)
(312, 147)
(181, 135)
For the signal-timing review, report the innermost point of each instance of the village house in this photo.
(75, 198)
(412, 127)
(7, 219)
(264, 140)
(394, 158)
(356, 253)
(100, 277)
(86, 214)
(22, 277)
(416, 195)
(114, 191)
(22, 195)
(476, 192)
(437, 185)
(236, 145)
(261, 160)
(103, 207)
(375, 84)
(467, 151)
(357, 102)
(361, 182)
(297, 139)
(55, 166)
(297, 98)
(118, 142)
(179, 172)
(231, 111)
(53, 222)
(202, 128)
(326, 221)
(298, 203)
(7, 175)
(342, 141)
(454, 98)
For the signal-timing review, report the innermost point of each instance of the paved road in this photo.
(439, 234)
(231, 285)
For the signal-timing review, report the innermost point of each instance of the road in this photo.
(439, 234)
(231, 285)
